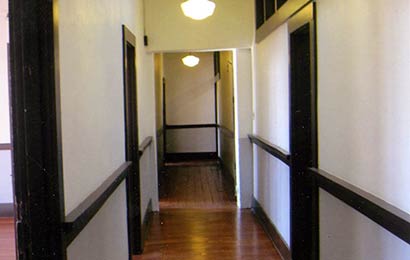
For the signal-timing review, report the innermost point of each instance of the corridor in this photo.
(198, 219)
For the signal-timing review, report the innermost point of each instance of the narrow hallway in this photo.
(199, 219)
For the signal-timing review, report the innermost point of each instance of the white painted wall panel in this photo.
(347, 234)
(364, 64)
(271, 105)
(6, 191)
(4, 93)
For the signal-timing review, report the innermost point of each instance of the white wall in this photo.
(271, 108)
(231, 26)
(6, 192)
(92, 108)
(190, 100)
(364, 96)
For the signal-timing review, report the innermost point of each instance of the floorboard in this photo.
(198, 219)
(7, 242)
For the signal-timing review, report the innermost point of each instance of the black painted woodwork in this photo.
(36, 139)
(272, 149)
(270, 230)
(386, 215)
(217, 73)
(131, 143)
(164, 116)
(270, 8)
(180, 157)
(279, 3)
(144, 145)
(170, 127)
(78, 219)
(259, 13)
(303, 191)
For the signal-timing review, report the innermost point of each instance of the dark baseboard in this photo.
(179, 157)
(271, 230)
(147, 221)
(6, 210)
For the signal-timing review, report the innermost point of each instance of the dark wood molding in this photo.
(286, 11)
(144, 145)
(36, 129)
(177, 157)
(77, 219)
(272, 149)
(386, 215)
(226, 131)
(170, 127)
(271, 230)
(6, 210)
(5, 147)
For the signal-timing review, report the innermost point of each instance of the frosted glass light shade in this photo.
(190, 60)
(198, 9)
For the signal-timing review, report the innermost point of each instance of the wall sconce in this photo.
(190, 60)
(198, 9)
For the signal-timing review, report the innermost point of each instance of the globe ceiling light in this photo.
(198, 9)
(190, 60)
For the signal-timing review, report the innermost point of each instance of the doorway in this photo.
(303, 136)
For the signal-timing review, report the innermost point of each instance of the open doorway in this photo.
(7, 232)
(195, 126)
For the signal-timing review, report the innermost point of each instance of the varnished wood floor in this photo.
(7, 243)
(199, 220)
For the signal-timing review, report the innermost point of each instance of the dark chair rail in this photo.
(80, 216)
(5, 147)
(190, 126)
(271, 148)
(144, 145)
(386, 215)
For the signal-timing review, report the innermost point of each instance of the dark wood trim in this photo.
(164, 116)
(147, 221)
(36, 129)
(217, 74)
(133, 190)
(5, 147)
(178, 157)
(386, 215)
(144, 145)
(285, 12)
(271, 230)
(170, 127)
(272, 149)
(226, 131)
(304, 233)
(77, 219)
(6, 210)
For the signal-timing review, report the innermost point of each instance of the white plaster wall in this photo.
(92, 116)
(4, 93)
(231, 26)
(190, 100)
(104, 238)
(347, 234)
(6, 191)
(271, 104)
(364, 96)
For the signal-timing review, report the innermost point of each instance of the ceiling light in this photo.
(198, 9)
(190, 60)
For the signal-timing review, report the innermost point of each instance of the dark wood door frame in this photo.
(36, 131)
(135, 240)
(303, 141)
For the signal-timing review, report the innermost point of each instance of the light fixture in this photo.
(198, 9)
(190, 60)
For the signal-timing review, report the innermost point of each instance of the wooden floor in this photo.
(7, 243)
(199, 220)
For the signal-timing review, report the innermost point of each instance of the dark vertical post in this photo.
(36, 130)
(164, 117)
(131, 144)
(304, 208)
(216, 76)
